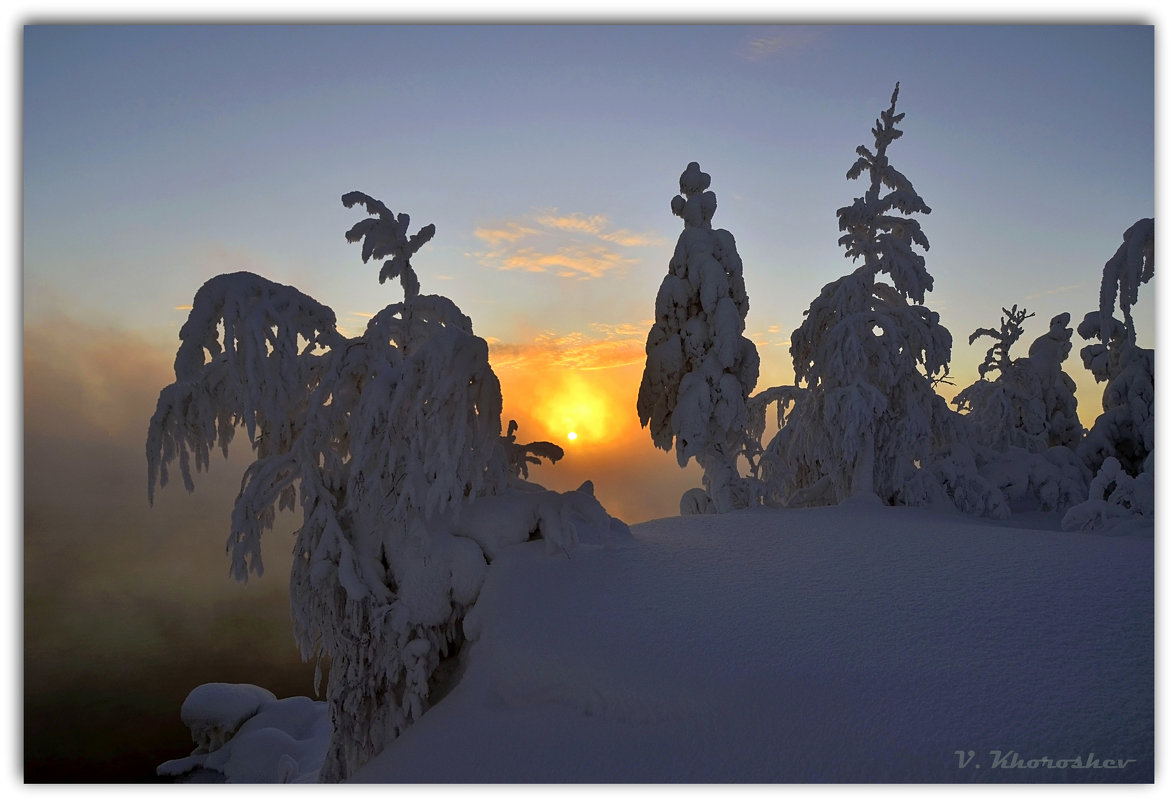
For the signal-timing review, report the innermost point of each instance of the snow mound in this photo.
(243, 733)
(215, 711)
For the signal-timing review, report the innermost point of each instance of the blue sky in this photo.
(156, 157)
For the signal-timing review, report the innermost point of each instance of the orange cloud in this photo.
(596, 224)
(508, 233)
(571, 351)
(568, 245)
(567, 262)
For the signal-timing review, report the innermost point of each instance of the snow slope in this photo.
(849, 643)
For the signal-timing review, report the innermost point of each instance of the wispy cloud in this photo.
(506, 233)
(1059, 290)
(567, 245)
(637, 331)
(596, 225)
(765, 46)
(584, 261)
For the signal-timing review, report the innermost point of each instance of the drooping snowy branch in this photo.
(1131, 266)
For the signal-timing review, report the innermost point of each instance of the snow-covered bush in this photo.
(1053, 480)
(1114, 496)
(383, 439)
(867, 355)
(700, 369)
(1031, 403)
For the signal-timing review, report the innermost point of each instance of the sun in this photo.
(580, 411)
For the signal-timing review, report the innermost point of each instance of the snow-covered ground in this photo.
(852, 643)
(834, 644)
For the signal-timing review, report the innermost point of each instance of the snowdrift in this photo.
(840, 644)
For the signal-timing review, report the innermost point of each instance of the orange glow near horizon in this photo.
(565, 405)
(590, 411)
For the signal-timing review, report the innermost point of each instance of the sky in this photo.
(155, 157)
(546, 157)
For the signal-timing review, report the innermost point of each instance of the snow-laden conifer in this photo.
(867, 354)
(383, 439)
(700, 369)
(1120, 446)
(1125, 430)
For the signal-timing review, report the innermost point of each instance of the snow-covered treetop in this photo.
(385, 234)
(1010, 329)
(698, 206)
(835, 337)
(873, 233)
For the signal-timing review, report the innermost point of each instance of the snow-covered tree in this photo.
(700, 369)
(1120, 446)
(867, 355)
(383, 439)
(1125, 430)
(1030, 403)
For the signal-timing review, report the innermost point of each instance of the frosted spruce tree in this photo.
(700, 369)
(1120, 446)
(867, 354)
(382, 439)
